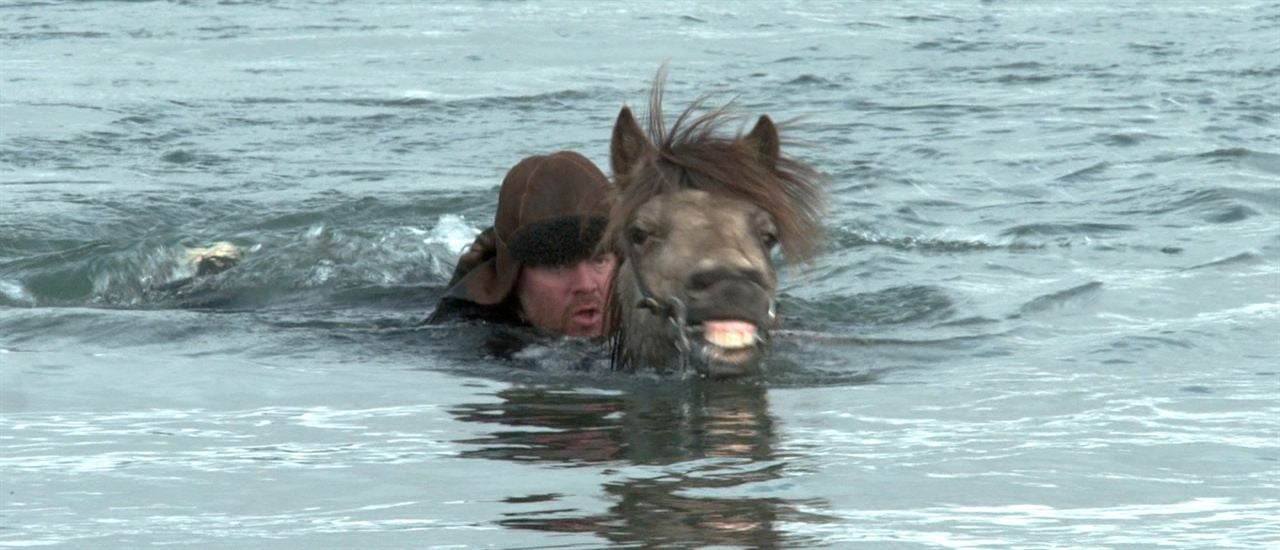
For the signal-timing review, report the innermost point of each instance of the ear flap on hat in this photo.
(491, 282)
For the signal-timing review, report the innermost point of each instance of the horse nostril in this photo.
(702, 280)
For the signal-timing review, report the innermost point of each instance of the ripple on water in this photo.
(952, 374)
(1193, 522)
(1093, 172)
(1062, 298)
(1215, 204)
(160, 442)
(1065, 229)
(1266, 162)
(1128, 138)
(848, 237)
(890, 306)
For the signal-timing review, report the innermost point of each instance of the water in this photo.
(1047, 314)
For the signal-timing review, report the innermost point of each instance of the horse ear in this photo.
(764, 139)
(628, 145)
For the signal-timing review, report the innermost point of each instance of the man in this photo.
(538, 264)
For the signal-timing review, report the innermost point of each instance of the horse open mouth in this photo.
(729, 348)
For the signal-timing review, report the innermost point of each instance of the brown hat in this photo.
(552, 210)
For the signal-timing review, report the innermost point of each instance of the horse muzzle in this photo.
(722, 332)
(720, 348)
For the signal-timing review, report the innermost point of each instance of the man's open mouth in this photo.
(587, 315)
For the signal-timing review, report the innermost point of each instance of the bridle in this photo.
(672, 309)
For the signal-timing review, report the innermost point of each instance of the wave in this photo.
(1128, 138)
(13, 293)
(181, 156)
(1260, 160)
(416, 99)
(845, 238)
(1244, 258)
(50, 35)
(1019, 238)
(1058, 229)
(1061, 298)
(1090, 173)
(813, 81)
(290, 260)
(890, 306)
(1219, 205)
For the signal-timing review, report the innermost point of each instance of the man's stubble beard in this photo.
(579, 301)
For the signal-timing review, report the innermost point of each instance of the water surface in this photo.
(1046, 315)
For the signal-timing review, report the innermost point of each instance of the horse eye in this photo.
(769, 238)
(637, 236)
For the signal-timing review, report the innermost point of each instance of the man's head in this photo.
(568, 298)
(551, 212)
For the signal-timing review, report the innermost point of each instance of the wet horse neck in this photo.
(646, 338)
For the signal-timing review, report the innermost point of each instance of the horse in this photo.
(698, 217)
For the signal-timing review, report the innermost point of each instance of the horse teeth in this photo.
(730, 334)
(730, 339)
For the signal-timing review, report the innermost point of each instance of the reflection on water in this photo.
(711, 472)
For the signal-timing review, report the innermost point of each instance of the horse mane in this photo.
(697, 153)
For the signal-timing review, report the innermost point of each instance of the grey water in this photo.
(1047, 312)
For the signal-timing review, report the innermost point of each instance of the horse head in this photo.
(698, 218)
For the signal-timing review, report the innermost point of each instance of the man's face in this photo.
(567, 299)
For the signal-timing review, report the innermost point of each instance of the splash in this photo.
(446, 241)
(13, 293)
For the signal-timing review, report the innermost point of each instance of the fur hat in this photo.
(552, 210)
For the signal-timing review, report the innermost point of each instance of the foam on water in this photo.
(452, 234)
(15, 294)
